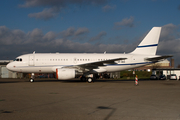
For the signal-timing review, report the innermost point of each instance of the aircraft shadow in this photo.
(2, 81)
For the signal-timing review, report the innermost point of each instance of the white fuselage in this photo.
(49, 62)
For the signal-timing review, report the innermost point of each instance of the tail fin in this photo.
(149, 44)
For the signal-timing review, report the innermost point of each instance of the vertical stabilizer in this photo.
(149, 44)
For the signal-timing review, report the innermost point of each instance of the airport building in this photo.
(162, 64)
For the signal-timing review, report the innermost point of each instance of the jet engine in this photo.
(65, 74)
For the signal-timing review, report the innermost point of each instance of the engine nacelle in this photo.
(65, 74)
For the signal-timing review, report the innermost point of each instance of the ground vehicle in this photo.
(173, 77)
(154, 77)
(162, 77)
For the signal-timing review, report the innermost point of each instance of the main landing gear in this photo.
(32, 77)
(88, 79)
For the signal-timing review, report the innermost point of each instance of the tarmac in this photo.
(51, 99)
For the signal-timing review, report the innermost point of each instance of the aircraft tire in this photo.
(83, 79)
(31, 80)
(90, 80)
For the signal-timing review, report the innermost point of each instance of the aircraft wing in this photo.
(94, 65)
(158, 58)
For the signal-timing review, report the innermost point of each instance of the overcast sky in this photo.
(86, 26)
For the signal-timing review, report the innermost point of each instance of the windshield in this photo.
(18, 59)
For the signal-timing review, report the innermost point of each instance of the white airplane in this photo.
(69, 65)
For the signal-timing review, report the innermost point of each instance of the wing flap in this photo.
(101, 63)
(94, 65)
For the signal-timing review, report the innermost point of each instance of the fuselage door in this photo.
(31, 60)
(75, 60)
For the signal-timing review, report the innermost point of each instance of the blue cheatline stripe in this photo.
(147, 45)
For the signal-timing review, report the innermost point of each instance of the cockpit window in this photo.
(18, 59)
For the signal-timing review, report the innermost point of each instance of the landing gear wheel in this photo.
(90, 80)
(31, 80)
(83, 79)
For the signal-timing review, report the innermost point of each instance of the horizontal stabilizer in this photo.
(158, 58)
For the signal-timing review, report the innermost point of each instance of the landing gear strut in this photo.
(88, 79)
(32, 77)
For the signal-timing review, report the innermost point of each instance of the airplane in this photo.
(69, 65)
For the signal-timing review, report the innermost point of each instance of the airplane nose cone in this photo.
(9, 66)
